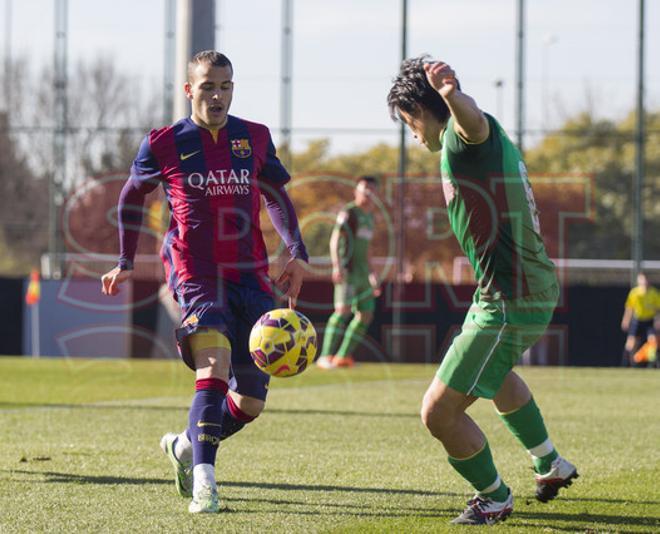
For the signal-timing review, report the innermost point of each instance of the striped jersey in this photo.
(213, 184)
(492, 212)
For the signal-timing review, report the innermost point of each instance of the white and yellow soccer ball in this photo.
(283, 342)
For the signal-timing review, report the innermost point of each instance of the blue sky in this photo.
(581, 53)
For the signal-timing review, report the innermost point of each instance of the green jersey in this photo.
(356, 228)
(491, 210)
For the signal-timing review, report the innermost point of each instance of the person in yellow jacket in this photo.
(641, 307)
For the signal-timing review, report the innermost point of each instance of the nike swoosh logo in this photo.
(184, 157)
(202, 424)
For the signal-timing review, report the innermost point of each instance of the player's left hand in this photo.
(375, 285)
(441, 77)
(291, 279)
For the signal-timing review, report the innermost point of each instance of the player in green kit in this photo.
(356, 285)
(492, 212)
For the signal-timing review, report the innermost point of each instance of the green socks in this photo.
(479, 470)
(526, 424)
(356, 329)
(333, 332)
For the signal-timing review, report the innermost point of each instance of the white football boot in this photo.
(205, 501)
(561, 475)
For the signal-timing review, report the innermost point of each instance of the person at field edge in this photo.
(491, 211)
(214, 168)
(356, 283)
(639, 313)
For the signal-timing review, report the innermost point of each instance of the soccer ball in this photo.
(283, 342)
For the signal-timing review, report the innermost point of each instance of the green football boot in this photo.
(183, 476)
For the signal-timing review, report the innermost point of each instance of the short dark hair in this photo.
(411, 89)
(369, 179)
(211, 57)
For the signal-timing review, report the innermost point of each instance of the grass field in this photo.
(340, 451)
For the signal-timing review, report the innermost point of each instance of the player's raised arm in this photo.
(469, 121)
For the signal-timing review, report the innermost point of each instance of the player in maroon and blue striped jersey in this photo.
(214, 168)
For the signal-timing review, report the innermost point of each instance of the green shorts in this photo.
(493, 337)
(358, 295)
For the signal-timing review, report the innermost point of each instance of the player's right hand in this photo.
(110, 281)
(441, 77)
(338, 276)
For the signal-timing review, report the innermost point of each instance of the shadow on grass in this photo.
(606, 500)
(56, 477)
(327, 488)
(374, 509)
(275, 411)
(375, 513)
(324, 504)
(567, 522)
(64, 478)
(560, 522)
(69, 477)
(535, 519)
(544, 518)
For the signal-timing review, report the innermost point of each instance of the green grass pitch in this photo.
(340, 451)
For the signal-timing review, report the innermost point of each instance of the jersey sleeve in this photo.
(283, 216)
(657, 300)
(346, 224)
(630, 301)
(273, 172)
(144, 178)
(459, 147)
(341, 223)
(145, 168)
(347, 221)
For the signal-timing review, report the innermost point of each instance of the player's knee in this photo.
(437, 415)
(250, 406)
(344, 312)
(211, 352)
(365, 317)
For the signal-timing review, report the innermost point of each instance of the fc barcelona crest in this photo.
(241, 148)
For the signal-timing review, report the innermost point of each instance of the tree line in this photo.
(582, 175)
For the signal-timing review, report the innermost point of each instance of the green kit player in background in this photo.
(491, 210)
(356, 284)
